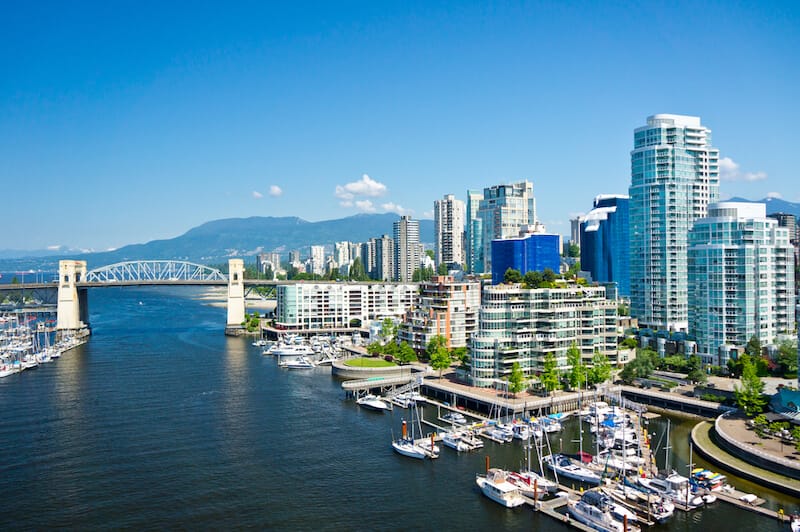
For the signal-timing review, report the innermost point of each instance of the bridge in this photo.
(70, 293)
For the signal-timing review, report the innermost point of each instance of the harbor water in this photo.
(160, 421)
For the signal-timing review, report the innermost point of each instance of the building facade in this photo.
(384, 259)
(524, 325)
(474, 233)
(448, 221)
(444, 308)
(503, 211)
(528, 252)
(407, 248)
(674, 176)
(318, 306)
(605, 242)
(741, 279)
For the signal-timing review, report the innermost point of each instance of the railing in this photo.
(767, 457)
(154, 271)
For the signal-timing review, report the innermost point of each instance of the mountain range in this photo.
(216, 241)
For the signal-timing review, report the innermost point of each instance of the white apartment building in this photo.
(448, 219)
(319, 306)
(407, 248)
(741, 280)
(522, 325)
(317, 259)
(503, 210)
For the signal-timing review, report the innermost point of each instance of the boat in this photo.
(563, 466)
(406, 445)
(298, 363)
(521, 431)
(601, 500)
(673, 486)
(594, 517)
(532, 484)
(494, 485)
(373, 402)
(709, 480)
(657, 508)
(454, 441)
(455, 418)
(794, 524)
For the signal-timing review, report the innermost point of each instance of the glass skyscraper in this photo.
(605, 242)
(531, 252)
(741, 279)
(674, 176)
(504, 210)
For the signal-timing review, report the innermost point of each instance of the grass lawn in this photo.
(368, 363)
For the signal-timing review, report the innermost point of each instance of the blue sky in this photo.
(127, 122)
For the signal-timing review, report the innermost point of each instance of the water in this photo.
(160, 421)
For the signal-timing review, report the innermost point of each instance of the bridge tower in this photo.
(235, 295)
(73, 305)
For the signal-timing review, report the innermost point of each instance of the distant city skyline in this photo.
(127, 123)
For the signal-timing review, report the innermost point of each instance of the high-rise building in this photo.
(317, 258)
(523, 325)
(406, 248)
(674, 176)
(368, 258)
(384, 259)
(448, 218)
(575, 229)
(504, 210)
(605, 242)
(741, 279)
(474, 230)
(530, 251)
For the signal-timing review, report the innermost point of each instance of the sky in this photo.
(125, 122)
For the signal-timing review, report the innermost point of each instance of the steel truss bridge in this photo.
(153, 272)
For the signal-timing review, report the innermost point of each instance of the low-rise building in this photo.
(524, 325)
(445, 308)
(314, 306)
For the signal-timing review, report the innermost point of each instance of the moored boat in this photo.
(495, 485)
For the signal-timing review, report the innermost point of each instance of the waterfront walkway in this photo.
(702, 438)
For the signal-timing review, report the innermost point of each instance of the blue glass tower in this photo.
(528, 253)
(605, 242)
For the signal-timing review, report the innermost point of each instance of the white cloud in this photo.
(366, 186)
(729, 170)
(257, 194)
(427, 215)
(362, 205)
(53, 248)
(393, 207)
(774, 195)
(275, 191)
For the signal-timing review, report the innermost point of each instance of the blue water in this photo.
(160, 421)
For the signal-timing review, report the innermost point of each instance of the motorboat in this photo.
(658, 508)
(604, 502)
(373, 402)
(532, 484)
(298, 363)
(673, 486)
(454, 441)
(521, 431)
(455, 418)
(565, 467)
(709, 480)
(495, 485)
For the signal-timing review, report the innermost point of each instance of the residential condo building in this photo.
(674, 176)
(741, 280)
(605, 242)
(522, 325)
(530, 251)
(474, 230)
(407, 249)
(448, 218)
(503, 211)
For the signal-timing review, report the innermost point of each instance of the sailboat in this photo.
(408, 446)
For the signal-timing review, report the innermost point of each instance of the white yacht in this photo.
(373, 402)
(496, 486)
(454, 441)
(565, 467)
(674, 486)
(298, 363)
(594, 517)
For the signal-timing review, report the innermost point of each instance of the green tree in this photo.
(462, 355)
(441, 269)
(388, 330)
(512, 276)
(753, 347)
(577, 372)
(573, 250)
(629, 343)
(787, 359)
(516, 381)
(749, 395)
(357, 272)
(532, 279)
(697, 375)
(623, 310)
(439, 354)
(601, 368)
(549, 376)
(548, 275)
(375, 348)
(406, 354)
(429, 253)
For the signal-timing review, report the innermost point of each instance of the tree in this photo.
(388, 330)
(357, 272)
(629, 343)
(697, 375)
(753, 347)
(462, 355)
(512, 276)
(787, 359)
(441, 269)
(577, 373)
(548, 275)
(573, 250)
(516, 381)
(532, 279)
(429, 253)
(375, 348)
(439, 354)
(601, 368)
(749, 396)
(406, 354)
(549, 376)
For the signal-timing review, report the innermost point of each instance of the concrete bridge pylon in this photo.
(73, 305)
(235, 295)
